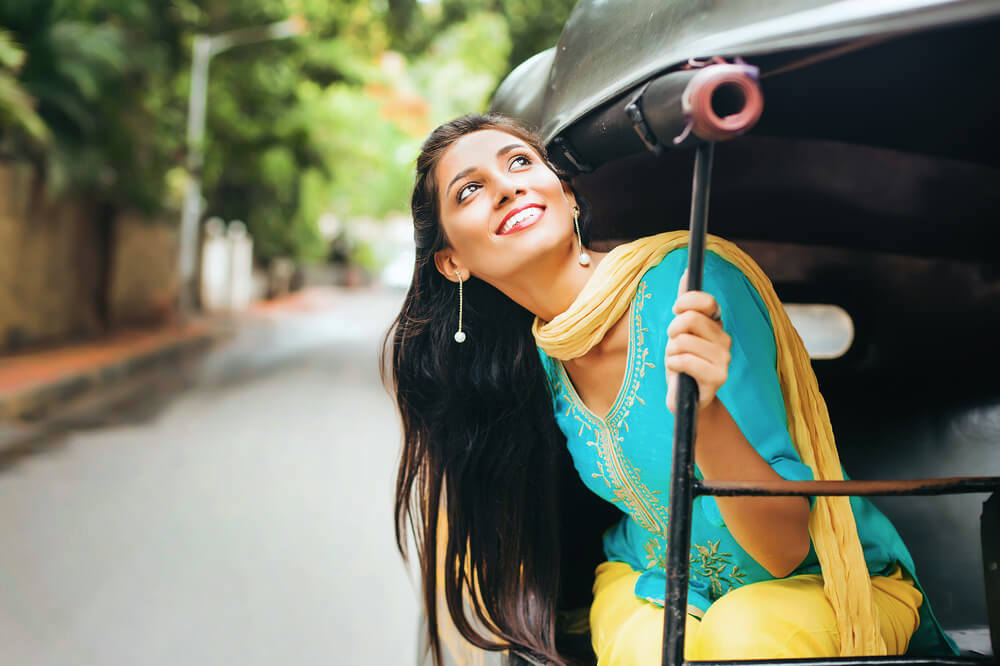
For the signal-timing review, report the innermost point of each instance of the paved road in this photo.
(245, 520)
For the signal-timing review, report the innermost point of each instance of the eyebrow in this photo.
(465, 172)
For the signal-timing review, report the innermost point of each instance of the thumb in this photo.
(683, 284)
(672, 392)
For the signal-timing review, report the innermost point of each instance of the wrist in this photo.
(710, 409)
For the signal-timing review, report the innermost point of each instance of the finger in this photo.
(702, 370)
(685, 343)
(698, 324)
(682, 286)
(698, 301)
(709, 376)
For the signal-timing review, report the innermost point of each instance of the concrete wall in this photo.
(51, 256)
(144, 279)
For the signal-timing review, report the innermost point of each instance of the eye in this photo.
(520, 161)
(466, 191)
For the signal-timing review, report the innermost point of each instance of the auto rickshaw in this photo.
(853, 149)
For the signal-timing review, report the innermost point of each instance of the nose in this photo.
(507, 189)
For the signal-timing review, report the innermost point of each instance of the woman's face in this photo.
(501, 206)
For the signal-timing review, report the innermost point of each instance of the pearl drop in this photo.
(460, 336)
(584, 259)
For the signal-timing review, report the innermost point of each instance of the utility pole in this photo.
(204, 48)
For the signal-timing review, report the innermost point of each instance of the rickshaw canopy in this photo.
(607, 47)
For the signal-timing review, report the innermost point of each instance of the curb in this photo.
(39, 400)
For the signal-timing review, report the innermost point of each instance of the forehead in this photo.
(473, 149)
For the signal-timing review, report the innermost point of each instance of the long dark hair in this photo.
(479, 437)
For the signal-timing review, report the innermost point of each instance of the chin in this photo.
(542, 247)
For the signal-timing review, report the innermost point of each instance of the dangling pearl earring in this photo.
(459, 334)
(584, 257)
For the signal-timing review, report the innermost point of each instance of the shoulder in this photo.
(660, 281)
(734, 291)
(665, 276)
(741, 304)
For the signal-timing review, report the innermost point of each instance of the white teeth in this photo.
(518, 218)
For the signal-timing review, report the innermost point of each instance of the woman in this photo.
(514, 340)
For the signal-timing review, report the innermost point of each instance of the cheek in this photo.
(555, 190)
(464, 226)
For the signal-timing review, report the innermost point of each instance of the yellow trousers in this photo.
(775, 619)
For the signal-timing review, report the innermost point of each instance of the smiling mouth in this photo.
(520, 219)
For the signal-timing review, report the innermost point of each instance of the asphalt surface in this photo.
(233, 512)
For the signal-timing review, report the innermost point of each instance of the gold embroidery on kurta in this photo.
(718, 568)
(617, 471)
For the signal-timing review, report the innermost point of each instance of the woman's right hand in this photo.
(698, 346)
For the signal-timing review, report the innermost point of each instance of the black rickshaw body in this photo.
(871, 183)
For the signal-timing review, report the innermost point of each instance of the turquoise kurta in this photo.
(624, 456)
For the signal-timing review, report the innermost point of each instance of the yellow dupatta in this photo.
(602, 302)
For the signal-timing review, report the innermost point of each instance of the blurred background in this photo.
(204, 236)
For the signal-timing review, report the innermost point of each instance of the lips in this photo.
(520, 218)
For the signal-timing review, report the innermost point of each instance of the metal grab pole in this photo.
(685, 421)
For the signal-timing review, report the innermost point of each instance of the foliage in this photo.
(341, 139)
(97, 69)
(95, 91)
(17, 108)
(534, 26)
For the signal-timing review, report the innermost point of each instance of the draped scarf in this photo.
(602, 302)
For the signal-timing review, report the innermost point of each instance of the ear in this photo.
(569, 194)
(448, 266)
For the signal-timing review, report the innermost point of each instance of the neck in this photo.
(550, 288)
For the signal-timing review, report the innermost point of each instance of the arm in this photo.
(774, 531)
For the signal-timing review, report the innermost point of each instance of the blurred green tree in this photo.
(97, 70)
(533, 26)
(17, 108)
(95, 92)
